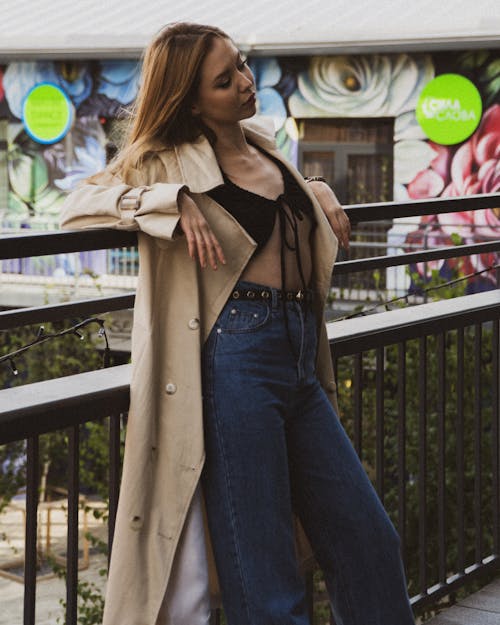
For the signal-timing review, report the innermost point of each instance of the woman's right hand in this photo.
(200, 239)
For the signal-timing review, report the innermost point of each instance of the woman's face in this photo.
(227, 89)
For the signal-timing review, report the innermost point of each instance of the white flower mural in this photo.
(360, 86)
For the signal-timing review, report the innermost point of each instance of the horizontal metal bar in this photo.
(454, 583)
(432, 206)
(55, 404)
(62, 242)
(67, 310)
(422, 256)
(45, 406)
(386, 328)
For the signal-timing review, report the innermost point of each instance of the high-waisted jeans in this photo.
(275, 446)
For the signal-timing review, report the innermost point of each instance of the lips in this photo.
(251, 100)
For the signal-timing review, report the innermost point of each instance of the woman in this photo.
(231, 358)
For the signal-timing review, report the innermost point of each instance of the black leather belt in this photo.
(265, 294)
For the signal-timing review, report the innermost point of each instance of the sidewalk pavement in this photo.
(50, 589)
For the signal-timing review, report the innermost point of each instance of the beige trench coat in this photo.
(177, 304)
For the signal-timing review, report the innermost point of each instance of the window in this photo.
(356, 158)
(354, 155)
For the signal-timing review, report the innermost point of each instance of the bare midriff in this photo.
(265, 267)
(262, 176)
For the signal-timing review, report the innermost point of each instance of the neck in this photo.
(231, 142)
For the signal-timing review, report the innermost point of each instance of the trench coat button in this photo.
(331, 387)
(194, 324)
(170, 388)
(136, 523)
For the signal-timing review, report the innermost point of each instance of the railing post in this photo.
(72, 540)
(114, 476)
(30, 554)
(495, 354)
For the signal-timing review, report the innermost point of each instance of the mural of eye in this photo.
(351, 82)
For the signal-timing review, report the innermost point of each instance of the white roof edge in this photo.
(93, 50)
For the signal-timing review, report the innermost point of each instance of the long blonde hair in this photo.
(169, 83)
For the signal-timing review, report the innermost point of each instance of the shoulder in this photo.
(153, 168)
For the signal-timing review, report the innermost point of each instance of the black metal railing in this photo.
(412, 432)
(26, 412)
(47, 243)
(417, 474)
(426, 381)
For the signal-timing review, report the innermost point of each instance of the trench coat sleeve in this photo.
(107, 202)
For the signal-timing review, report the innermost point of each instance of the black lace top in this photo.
(257, 214)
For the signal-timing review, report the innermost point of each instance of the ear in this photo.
(195, 110)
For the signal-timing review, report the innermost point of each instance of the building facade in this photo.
(348, 117)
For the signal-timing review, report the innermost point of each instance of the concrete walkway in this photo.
(481, 608)
(50, 589)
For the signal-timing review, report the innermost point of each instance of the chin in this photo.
(251, 112)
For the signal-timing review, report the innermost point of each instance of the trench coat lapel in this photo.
(199, 166)
(198, 163)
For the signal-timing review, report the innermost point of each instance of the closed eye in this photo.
(241, 63)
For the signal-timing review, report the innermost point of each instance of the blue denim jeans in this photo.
(275, 446)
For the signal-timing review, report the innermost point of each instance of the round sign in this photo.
(47, 113)
(449, 109)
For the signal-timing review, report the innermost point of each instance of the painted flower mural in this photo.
(30, 193)
(87, 154)
(471, 168)
(119, 80)
(357, 86)
(475, 167)
(267, 73)
(360, 86)
(39, 175)
(74, 78)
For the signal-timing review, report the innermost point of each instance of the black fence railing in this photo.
(425, 381)
(27, 412)
(428, 440)
(418, 391)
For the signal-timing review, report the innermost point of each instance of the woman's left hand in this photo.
(334, 212)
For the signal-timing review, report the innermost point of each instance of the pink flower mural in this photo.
(475, 167)
(471, 168)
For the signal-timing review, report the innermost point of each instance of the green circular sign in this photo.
(449, 109)
(47, 113)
